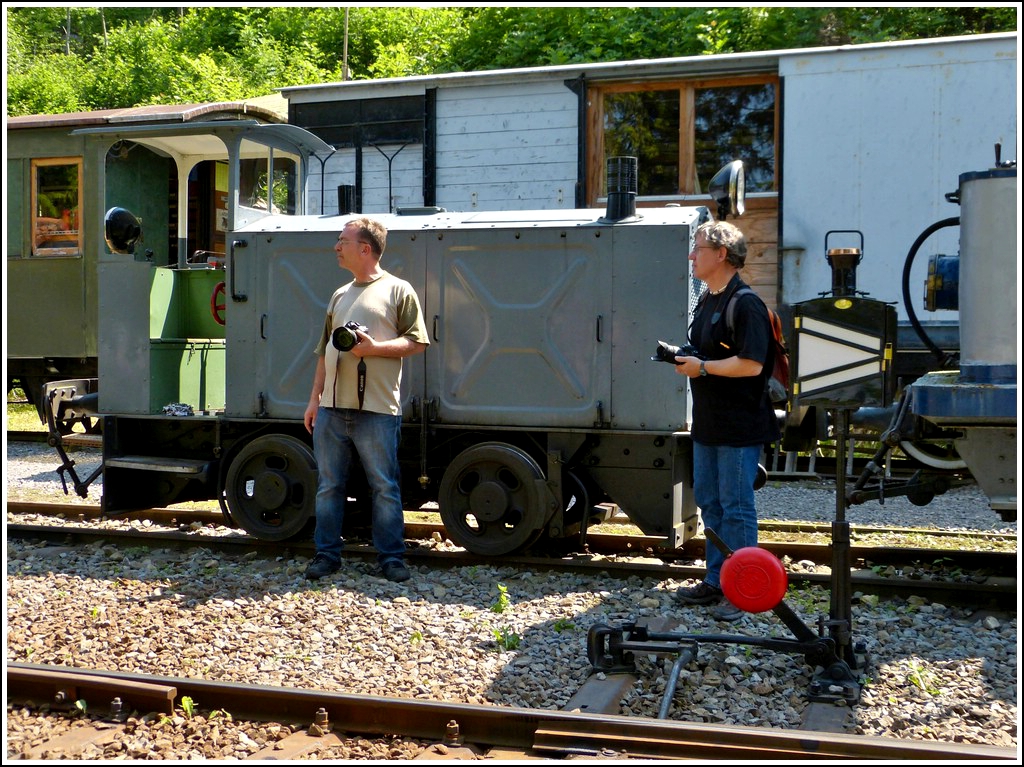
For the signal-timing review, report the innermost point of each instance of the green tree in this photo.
(65, 58)
(47, 85)
(134, 68)
(389, 41)
(504, 37)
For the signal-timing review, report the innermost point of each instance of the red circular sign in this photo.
(754, 579)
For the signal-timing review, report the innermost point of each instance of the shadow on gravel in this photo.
(480, 634)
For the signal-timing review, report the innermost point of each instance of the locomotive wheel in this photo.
(217, 307)
(934, 454)
(489, 499)
(271, 487)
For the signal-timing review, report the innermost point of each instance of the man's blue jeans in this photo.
(338, 436)
(723, 488)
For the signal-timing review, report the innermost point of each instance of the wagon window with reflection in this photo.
(56, 193)
(682, 133)
(269, 180)
(736, 122)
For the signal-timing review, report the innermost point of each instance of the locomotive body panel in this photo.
(542, 322)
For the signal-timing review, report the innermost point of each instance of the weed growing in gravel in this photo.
(923, 679)
(503, 602)
(417, 637)
(188, 706)
(804, 598)
(506, 638)
(564, 625)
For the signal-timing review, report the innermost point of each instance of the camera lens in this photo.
(344, 339)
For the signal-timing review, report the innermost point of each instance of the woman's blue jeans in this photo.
(723, 488)
(338, 436)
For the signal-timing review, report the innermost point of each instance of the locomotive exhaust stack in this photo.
(622, 189)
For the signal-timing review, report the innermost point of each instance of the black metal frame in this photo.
(611, 649)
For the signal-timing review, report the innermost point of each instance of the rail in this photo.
(547, 733)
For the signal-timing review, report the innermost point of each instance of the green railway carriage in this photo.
(54, 218)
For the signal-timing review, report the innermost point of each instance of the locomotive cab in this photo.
(164, 296)
(163, 312)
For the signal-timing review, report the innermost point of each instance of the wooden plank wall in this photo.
(507, 148)
(760, 224)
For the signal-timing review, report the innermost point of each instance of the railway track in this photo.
(447, 730)
(960, 577)
(587, 726)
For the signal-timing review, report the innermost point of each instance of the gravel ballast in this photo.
(491, 635)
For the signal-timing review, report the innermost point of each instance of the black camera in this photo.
(344, 338)
(668, 353)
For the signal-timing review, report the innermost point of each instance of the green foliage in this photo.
(502, 603)
(509, 37)
(400, 41)
(73, 58)
(132, 69)
(506, 638)
(923, 679)
(47, 85)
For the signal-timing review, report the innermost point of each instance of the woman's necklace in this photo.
(716, 315)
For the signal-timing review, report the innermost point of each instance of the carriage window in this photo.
(682, 132)
(645, 125)
(735, 122)
(272, 190)
(56, 192)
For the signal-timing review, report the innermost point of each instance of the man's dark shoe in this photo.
(320, 566)
(701, 594)
(395, 571)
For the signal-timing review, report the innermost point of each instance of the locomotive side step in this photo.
(83, 440)
(152, 463)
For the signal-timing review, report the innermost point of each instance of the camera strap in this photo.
(362, 381)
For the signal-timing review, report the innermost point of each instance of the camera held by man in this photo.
(345, 337)
(667, 353)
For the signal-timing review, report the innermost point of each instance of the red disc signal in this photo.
(754, 579)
